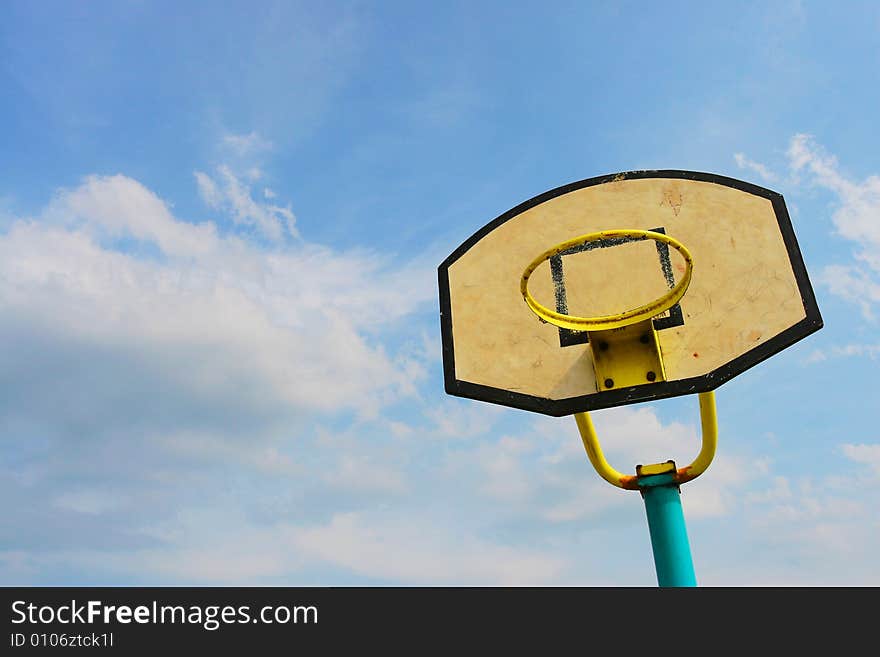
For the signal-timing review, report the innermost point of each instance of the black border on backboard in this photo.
(606, 399)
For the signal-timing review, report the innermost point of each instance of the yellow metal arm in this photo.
(597, 458)
(708, 420)
(709, 423)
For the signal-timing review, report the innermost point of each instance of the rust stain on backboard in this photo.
(672, 198)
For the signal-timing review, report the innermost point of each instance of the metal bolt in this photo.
(609, 383)
(651, 376)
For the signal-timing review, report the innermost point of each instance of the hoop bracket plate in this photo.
(627, 356)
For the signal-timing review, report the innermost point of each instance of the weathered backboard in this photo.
(749, 296)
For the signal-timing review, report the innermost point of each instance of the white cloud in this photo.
(866, 454)
(857, 285)
(504, 474)
(857, 219)
(249, 144)
(400, 429)
(454, 418)
(118, 206)
(204, 446)
(870, 351)
(208, 190)
(778, 492)
(234, 196)
(413, 551)
(762, 170)
(362, 473)
(815, 520)
(196, 546)
(171, 375)
(217, 316)
(93, 502)
(815, 356)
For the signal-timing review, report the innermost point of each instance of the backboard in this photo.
(749, 295)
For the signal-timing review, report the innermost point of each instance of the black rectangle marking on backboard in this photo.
(567, 337)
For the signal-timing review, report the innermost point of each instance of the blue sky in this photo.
(220, 225)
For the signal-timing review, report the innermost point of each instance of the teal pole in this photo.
(669, 539)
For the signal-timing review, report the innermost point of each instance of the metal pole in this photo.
(669, 539)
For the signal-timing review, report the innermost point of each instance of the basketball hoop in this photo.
(625, 318)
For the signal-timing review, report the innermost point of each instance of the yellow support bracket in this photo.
(709, 424)
(627, 356)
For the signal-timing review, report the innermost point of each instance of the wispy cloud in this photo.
(412, 551)
(762, 170)
(870, 351)
(856, 284)
(208, 190)
(232, 195)
(857, 219)
(867, 454)
(815, 356)
(246, 145)
(816, 519)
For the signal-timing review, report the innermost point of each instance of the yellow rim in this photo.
(607, 322)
